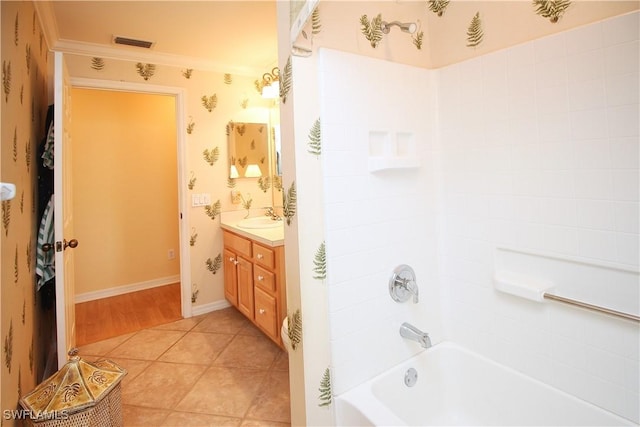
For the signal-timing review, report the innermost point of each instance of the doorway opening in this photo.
(128, 208)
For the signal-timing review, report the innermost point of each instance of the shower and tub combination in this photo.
(520, 161)
(447, 384)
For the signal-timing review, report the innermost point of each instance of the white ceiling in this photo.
(227, 36)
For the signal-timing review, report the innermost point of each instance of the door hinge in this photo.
(58, 246)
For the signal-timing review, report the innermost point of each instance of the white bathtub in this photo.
(458, 387)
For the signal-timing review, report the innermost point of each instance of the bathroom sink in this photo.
(259, 222)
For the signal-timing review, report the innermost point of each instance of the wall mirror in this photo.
(255, 156)
(249, 151)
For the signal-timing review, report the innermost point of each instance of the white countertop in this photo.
(266, 236)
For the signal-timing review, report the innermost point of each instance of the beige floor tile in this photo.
(247, 351)
(142, 417)
(181, 325)
(161, 385)
(147, 344)
(282, 361)
(225, 321)
(250, 329)
(103, 347)
(179, 419)
(197, 347)
(132, 366)
(222, 391)
(272, 401)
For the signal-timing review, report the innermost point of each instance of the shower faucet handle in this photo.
(402, 284)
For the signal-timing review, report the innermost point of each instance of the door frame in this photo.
(183, 230)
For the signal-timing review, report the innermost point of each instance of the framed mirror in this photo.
(248, 145)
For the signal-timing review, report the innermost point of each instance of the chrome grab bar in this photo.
(592, 307)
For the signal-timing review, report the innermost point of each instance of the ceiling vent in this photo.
(132, 42)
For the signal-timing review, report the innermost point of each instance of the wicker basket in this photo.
(81, 394)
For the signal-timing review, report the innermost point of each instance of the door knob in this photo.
(60, 245)
(73, 243)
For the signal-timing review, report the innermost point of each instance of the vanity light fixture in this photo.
(233, 172)
(271, 91)
(253, 171)
(270, 85)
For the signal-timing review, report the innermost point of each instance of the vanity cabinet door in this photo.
(230, 277)
(245, 287)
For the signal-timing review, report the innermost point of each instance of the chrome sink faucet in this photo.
(271, 213)
(410, 332)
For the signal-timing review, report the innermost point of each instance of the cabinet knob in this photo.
(260, 278)
(260, 256)
(236, 262)
(262, 311)
(231, 259)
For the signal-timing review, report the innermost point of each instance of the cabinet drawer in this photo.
(264, 278)
(238, 244)
(266, 315)
(264, 256)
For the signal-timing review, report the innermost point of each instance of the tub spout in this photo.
(412, 333)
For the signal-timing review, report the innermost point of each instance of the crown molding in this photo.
(157, 58)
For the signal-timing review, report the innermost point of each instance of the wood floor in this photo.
(122, 314)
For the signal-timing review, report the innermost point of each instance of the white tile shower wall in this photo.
(376, 220)
(539, 145)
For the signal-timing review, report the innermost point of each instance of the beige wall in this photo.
(125, 188)
(23, 112)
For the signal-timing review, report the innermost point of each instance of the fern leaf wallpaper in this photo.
(552, 9)
(97, 63)
(438, 6)
(475, 33)
(146, 71)
(24, 105)
(372, 29)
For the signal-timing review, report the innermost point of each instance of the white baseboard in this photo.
(125, 289)
(209, 307)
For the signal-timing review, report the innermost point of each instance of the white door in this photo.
(63, 221)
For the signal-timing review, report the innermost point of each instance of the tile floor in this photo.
(213, 370)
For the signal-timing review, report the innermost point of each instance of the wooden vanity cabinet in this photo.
(230, 277)
(254, 282)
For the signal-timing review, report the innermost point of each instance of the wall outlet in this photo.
(171, 254)
(236, 198)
